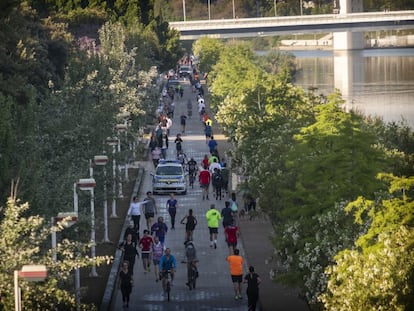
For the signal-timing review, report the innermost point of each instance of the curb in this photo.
(113, 275)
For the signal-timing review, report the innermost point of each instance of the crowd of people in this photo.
(212, 175)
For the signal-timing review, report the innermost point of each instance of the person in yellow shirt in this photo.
(213, 217)
(236, 272)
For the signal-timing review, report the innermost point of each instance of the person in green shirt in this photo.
(213, 217)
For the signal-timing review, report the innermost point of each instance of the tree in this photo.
(208, 52)
(377, 273)
(25, 242)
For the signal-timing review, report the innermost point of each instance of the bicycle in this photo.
(192, 274)
(166, 277)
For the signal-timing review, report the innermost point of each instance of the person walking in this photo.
(156, 155)
(234, 207)
(231, 233)
(227, 214)
(134, 211)
(216, 180)
(178, 144)
(190, 224)
(129, 249)
(213, 217)
(157, 252)
(126, 283)
(236, 272)
(212, 144)
(172, 205)
(204, 178)
(150, 209)
(145, 244)
(160, 229)
(183, 121)
(253, 280)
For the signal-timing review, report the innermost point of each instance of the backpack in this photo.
(233, 207)
(190, 252)
(217, 178)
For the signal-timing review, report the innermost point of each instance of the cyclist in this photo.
(167, 264)
(191, 258)
(192, 170)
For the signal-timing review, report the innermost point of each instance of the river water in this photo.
(378, 82)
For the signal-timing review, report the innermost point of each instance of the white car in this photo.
(169, 177)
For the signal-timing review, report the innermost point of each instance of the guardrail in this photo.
(294, 24)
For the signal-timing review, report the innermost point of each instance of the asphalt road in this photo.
(214, 286)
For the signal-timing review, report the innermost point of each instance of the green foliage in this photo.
(378, 273)
(24, 242)
(208, 52)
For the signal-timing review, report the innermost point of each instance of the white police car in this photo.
(169, 177)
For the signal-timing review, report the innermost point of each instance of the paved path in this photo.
(214, 288)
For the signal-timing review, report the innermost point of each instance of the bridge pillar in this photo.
(348, 40)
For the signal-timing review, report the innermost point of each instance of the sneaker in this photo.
(156, 280)
(240, 297)
(215, 245)
(236, 297)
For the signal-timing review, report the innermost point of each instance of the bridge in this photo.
(270, 26)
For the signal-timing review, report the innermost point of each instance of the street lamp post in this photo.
(88, 184)
(113, 142)
(31, 273)
(209, 6)
(121, 128)
(184, 10)
(102, 160)
(275, 5)
(68, 219)
(234, 11)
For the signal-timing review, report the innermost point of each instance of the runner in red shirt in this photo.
(145, 244)
(231, 233)
(204, 178)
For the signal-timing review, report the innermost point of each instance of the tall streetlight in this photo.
(234, 11)
(67, 219)
(184, 10)
(101, 160)
(88, 184)
(301, 7)
(209, 6)
(121, 128)
(275, 5)
(31, 273)
(113, 141)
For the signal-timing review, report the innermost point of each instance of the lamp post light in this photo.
(101, 160)
(121, 128)
(67, 219)
(88, 184)
(113, 141)
(30, 273)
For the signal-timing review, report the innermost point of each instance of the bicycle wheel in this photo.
(168, 290)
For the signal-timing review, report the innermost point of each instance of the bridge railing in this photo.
(293, 20)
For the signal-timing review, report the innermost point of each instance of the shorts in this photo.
(237, 278)
(149, 215)
(204, 185)
(145, 255)
(156, 262)
(234, 244)
(213, 230)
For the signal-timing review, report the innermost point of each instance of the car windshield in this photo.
(169, 170)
